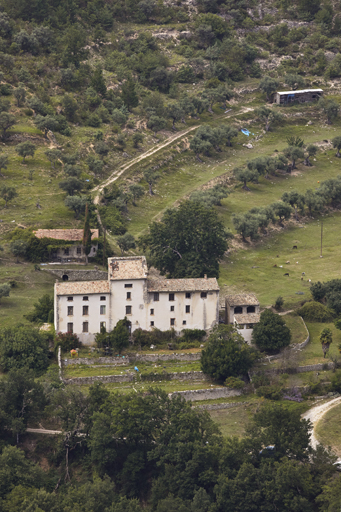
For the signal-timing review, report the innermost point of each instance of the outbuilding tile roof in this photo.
(242, 299)
(183, 285)
(72, 235)
(249, 318)
(130, 267)
(81, 287)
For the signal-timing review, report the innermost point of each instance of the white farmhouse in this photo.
(83, 307)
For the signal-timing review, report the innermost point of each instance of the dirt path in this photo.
(316, 413)
(116, 174)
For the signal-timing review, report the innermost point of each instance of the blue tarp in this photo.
(246, 132)
(136, 369)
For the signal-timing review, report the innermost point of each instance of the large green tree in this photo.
(189, 241)
(22, 346)
(226, 354)
(41, 310)
(271, 334)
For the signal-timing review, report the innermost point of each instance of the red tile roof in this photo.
(82, 287)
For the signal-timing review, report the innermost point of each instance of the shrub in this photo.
(315, 312)
(279, 303)
(270, 392)
(336, 382)
(154, 337)
(67, 341)
(234, 382)
(192, 335)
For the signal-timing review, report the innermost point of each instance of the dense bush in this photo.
(67, 341)
(154, 337)
(271, 392)
(190, 335)
(330, 292)
(315, 312)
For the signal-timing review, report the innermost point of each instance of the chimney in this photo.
(205, 276)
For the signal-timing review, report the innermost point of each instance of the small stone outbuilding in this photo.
(243, 311)
(73, 250)
(301, 96)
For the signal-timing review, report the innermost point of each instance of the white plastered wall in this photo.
(94, 318)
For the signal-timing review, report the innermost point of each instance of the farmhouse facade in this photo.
(73, 251)
(301, 96)
(243, 311)
(84, 307)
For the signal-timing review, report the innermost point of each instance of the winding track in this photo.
(316, 413)
(116, 174)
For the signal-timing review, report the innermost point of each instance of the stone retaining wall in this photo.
(300, 369)
(133, 358)
(206, 394)
(131, 377)
(78, 275)
(214, 407)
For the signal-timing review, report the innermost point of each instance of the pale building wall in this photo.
(204, 312)
(247, 334)
(94, 318)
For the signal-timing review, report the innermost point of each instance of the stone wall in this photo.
(215, 407)
(206, 394)
(78, 275)
(319, 367)
(133, 358)
(131, 377)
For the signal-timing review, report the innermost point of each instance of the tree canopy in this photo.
(189, 241)
(271, 334)
(226, 354)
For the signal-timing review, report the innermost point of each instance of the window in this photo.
(102, 310)
(128, 295)
(79, 250)
(171, 296)
(103, 297)
(102, 325)
(152, 323)
(250, 309)
(70, 311)
(70, 299)
(152, 311)
(66, 252)
(128, 310)
(188, 295)
(85, 297)
(203, 295)
(184, 322)
(85, 326)
(172, 308)
(238, 310)
(128, 286)
(172, 321)
(85, 310)
(70, 327)
(156, 297)
(188, 309)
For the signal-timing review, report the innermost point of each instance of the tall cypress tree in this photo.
(87, 234)
(129, 96)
